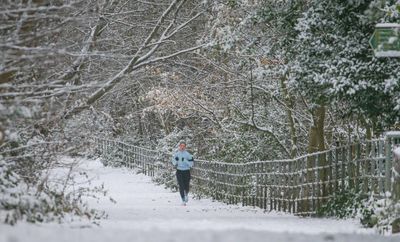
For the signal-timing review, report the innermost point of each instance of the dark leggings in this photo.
(183, 178)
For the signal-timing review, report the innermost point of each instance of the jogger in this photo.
(183, 161)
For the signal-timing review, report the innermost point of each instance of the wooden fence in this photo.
(299, 186)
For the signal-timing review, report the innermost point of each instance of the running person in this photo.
(183, 161)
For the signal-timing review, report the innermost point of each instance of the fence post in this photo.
(396, 175)
(350, 167)
(365, 167)
(357, 168)
(337, 175)
(388, 161)
(303, 189)
(392, 148)
(330, 187)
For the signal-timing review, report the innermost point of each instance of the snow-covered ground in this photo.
(147, 212)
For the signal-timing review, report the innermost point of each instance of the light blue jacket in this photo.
(183, 160)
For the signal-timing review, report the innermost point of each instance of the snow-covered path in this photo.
(147, 212)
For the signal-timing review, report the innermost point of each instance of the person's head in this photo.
(182, 145)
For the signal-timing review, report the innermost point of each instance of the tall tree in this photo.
(336, 65)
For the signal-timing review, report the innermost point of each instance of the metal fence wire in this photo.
(299, 186)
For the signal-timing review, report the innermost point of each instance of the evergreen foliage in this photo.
(345, 204)
(334, 62)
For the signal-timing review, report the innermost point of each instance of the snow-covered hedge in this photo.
(41, 198)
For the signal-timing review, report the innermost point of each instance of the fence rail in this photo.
(299, 186)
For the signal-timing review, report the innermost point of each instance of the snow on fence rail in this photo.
(299, 186)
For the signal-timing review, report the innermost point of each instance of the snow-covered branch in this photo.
(140, 59)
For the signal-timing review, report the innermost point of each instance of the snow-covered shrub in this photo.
(112, 156)
(382, 215)
(345, 204)
(31, 191)
(38, 202)
(166, 173)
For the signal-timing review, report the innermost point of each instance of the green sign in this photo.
(386, 40)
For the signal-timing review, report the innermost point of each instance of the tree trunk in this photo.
(316, 142)
(290, 104)
(322, 161)
(312, 147)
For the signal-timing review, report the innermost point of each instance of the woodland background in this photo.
(239, 80)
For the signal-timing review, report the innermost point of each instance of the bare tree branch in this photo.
(140, 60)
